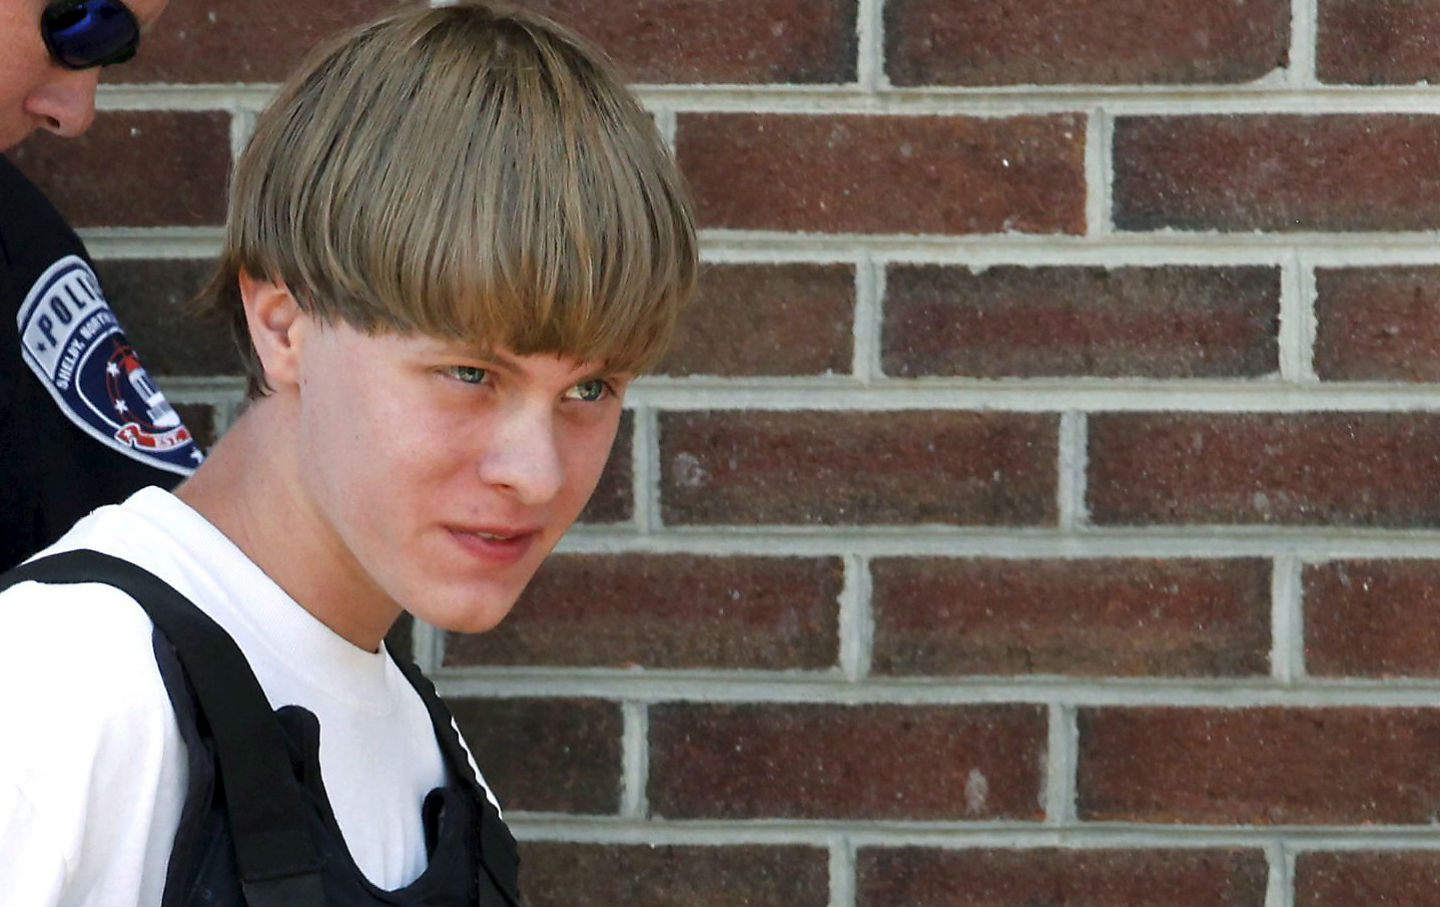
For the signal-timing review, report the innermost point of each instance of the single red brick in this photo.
(1170, 322)
(152, 298)
(1060, 877)
(1277, 172)
(854, 762)
(668, 611)
(885, 174)
(1350, 469)
(1000, 42)
(795, 41)
(1405, 878)
(549, 755)
(787, 319)
(1373, 618)
(1378, 324)
(1258, 766)
(254, 41)
(614, 498)
(1105, 617)
(1367, 43)
(577, 875)
(135, 169)
(858, 467)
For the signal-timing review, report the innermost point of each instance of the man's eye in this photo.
(468, 373)
(588, 391)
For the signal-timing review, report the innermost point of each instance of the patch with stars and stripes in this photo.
(72, 340)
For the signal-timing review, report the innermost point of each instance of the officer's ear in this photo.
(276, 324)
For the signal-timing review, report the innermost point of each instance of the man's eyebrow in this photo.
(496, 357)
(487, 354)
(599, 371)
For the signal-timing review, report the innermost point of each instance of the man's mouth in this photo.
(495, 544)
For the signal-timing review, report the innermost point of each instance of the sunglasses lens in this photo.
(83, 33)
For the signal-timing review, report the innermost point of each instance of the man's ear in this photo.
(276, 324)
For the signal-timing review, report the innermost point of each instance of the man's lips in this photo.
(499, 544)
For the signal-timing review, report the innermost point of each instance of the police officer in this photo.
(81, 422)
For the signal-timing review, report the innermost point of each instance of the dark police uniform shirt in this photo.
(81, 422)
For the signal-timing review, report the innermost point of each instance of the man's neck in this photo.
(249, 488)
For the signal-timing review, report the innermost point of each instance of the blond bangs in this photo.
(492, 181)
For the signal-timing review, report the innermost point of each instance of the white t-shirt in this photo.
(92, 766)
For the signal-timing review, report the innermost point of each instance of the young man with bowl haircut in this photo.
(454, 239)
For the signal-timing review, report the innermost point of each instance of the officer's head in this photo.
(467, 172)
(51, 53)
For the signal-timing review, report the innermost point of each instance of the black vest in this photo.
(256, 827)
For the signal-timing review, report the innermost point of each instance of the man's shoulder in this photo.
(86, 672)
(92, 744)
(93, 623)
(20, 193)
(31, 229)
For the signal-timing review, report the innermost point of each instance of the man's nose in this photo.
(522, 456)
(65, 102)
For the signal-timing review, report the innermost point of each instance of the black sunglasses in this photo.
(85, 33)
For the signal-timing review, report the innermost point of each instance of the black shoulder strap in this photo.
(273, 848)
(498, 853)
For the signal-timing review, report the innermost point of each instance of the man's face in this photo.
(35, 91)
(437, 476)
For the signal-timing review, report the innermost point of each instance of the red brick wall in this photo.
(1042, 504)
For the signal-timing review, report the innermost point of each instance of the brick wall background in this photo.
(1043, 502)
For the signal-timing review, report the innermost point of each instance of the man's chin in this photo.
(473, 617)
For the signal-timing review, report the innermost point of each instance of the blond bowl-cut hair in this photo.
(472, 172)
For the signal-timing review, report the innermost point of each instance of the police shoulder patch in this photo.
(73, 342)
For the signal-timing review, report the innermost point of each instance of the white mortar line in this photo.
(1061, 765)
(1263, 96)
(870, 46)
(961, 835)
(1158, 247)
(1305, 312)
(856, 620)
(158, 242)
(665, 120)
(1287, 622)
(218, 392)
(1036, 396)
(645, 469)
(1280, 887)
(1316, 544)
(831, 688)
(866, 360)
(843, 871)
(977, 252)
(1304, 40)
(1073, 459)
(634, 760)
(189, 98)
(1296, 335)
(1099, 174)
(428, 647)
(242, 123)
